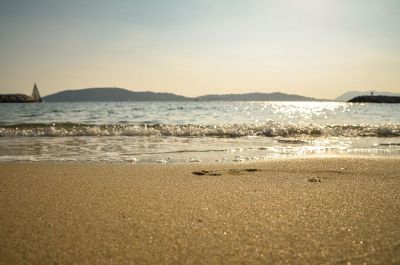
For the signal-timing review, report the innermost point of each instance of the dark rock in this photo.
(16, 98)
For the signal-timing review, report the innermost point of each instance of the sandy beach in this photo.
(291, 211)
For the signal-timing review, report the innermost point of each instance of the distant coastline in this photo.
(115, 94)
(120, 94)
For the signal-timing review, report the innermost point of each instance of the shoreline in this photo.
(210, 163)
(292, 210)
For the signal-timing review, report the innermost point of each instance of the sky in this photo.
(317, 48)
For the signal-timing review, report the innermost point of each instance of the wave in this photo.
(268, 129)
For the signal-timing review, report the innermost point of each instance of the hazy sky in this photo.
(318, 48)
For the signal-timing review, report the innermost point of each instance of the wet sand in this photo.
(291, 211)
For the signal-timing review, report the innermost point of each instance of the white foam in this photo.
(268, 129)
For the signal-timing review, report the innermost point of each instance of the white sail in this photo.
(35, 94)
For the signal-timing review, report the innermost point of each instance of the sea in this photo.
(195, 132)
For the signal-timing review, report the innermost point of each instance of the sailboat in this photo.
(35, 94)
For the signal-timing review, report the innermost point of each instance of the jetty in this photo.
(375, 99)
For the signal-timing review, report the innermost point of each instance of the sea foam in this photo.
(268, 129)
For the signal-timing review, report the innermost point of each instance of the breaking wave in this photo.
(268, 129)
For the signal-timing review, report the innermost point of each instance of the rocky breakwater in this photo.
(375, 99)
(16, 98)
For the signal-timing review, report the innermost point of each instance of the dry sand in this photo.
(293, 211)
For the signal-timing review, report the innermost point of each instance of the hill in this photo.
(120, 94)
(277, 96)
(110, 94)
(352, 94)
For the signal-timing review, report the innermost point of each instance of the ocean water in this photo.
(195, 132)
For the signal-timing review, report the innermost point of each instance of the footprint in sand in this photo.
(231, 171)
(252, 169)
(206, 173)
(314, 179)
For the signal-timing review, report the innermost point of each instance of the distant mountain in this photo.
(352, 94)
(110, 94)
(277, 96)
(120, 94)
